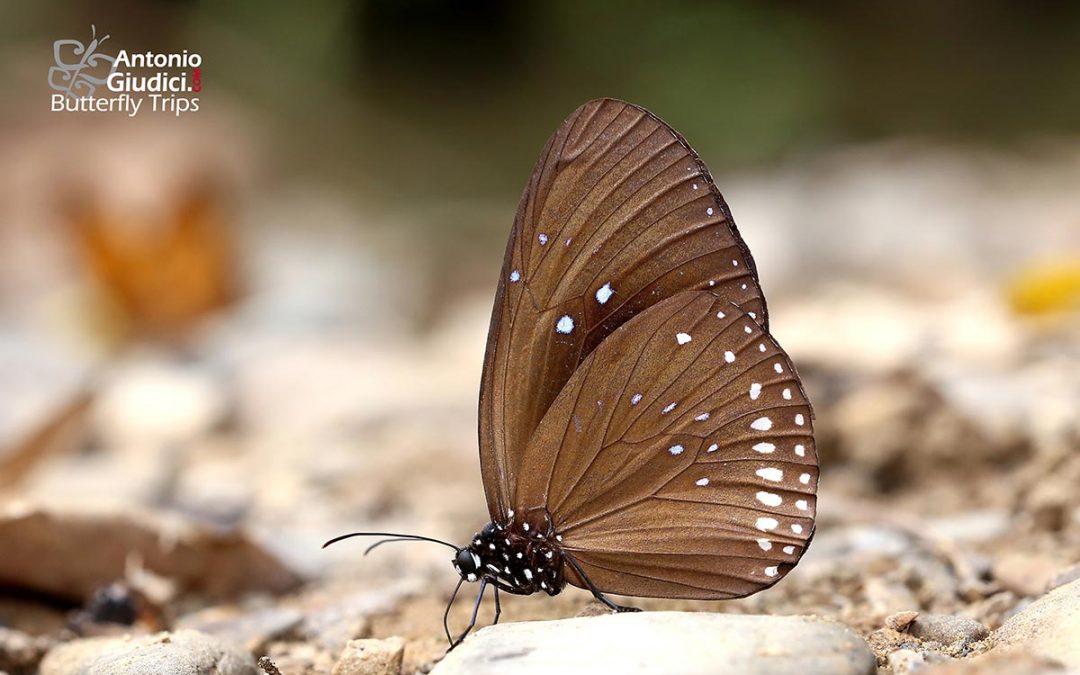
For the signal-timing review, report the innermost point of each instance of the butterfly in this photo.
(641, 432)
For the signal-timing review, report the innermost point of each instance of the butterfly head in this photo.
(467, 564)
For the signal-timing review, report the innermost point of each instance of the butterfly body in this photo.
(514, 557)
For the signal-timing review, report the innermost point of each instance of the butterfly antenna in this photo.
(393, 536)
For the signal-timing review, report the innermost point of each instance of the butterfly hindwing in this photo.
(679, 460)
(619, 215)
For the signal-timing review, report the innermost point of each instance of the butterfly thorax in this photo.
(515, 560)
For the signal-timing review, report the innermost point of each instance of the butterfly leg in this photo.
(498, 609)
(597, 593)
(446, 614)
(475, 612)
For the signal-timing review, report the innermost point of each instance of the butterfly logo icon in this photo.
(80, 68)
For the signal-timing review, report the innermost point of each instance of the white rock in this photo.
(1048, 627)
(180, 653)
(663, 642)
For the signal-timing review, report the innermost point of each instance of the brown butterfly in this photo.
(641, 433)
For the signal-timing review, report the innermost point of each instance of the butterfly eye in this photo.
(465, 561)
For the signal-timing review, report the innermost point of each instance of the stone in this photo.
(20, 652)
(998, 662)
(901, 620)
(180, 653)
(1064, 576)
(252, 629)
(947, 629)
(371, 657)
(652, 642)
(1049, 627)
(1026, 574)
(300, 658)
(904, 661)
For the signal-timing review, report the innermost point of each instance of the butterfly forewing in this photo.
(679, 460)
(619, 215)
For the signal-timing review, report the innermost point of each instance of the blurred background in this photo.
(261, 324)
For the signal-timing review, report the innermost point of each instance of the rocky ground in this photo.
(162, 509)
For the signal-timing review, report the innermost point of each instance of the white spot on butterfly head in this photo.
(761, 424)
(635, 399)
(702, 482)
(771, 473)
(799, 419)
(709, 211)
(713, 448)
(787, 394)
(764, 447)
(800, 450)
(769, 498)
(669, 408)
(515, 276)
(676, 449)
(755, 391)
(729, 356)
(683, 338)
(604, 293)
(804, 479)
(771, 571)
(543, 238)
(765, 544)
(565, 325)
(702, 417)
(528, 574)
(764, 523)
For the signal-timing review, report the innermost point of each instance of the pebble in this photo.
(655, 642)
(371, 657)
(180, 653)
(20, 651)
(1026, 574)
(252, 630)
(299, 658)
(1048, 627)
(947, 629)
(904, 661)
(1012, 662)
(900, 620)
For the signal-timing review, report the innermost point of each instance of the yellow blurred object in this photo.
(1046, 288)
(159, 277)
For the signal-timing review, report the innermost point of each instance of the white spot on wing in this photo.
(761, 424)
(769, 498)
(515, 276)
(702, 482)
(765, 544)
(787, 394)
(771, 571)
(771, 473)
(635, 399)
(764, 447)
(729, 356)
(790, 550)
(764, 523)
(804, 479)
(755, 391)
(702, 417)
(801, 505)
(720, 315)
(669, 408)
(676, 449)
(713, 448)
(799, 420)
(683, 338)
(604, 293)
(709, 211)
(796, 528)
(565, 325)
(800, 450)
(543, 238)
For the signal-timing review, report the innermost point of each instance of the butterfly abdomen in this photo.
(518, 562)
